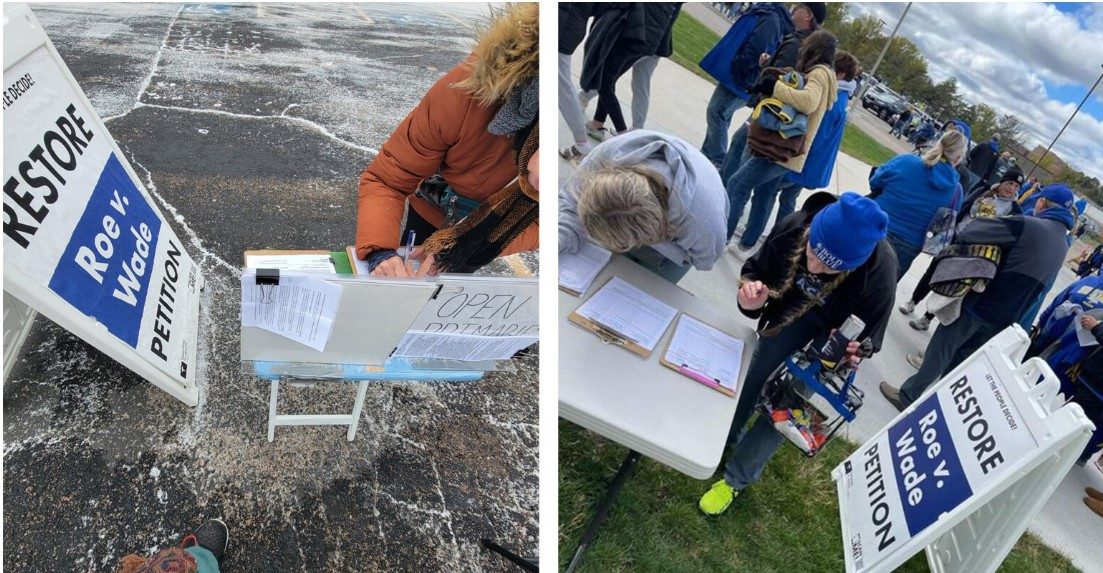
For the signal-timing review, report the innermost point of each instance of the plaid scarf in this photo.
(484, 234)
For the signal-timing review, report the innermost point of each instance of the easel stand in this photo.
(276, 372)
(611, 493)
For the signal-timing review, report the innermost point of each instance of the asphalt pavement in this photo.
(250, 125)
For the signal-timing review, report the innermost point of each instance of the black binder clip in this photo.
(267, 278)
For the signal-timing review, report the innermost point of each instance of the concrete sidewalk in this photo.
(678, 102)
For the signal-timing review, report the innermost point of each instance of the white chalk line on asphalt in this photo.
(157, 56)
(196, 242)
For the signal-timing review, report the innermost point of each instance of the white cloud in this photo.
(1003, 53)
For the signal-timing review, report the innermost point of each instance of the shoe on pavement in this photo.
(717, 499)
(598, 133)
(915, 360)
(1094, 493)
(907, 307)
(1095, 505)
(573, 153)
(893, 396)
(213, 536)
(921, 323)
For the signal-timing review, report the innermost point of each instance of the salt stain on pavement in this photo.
(250, 130)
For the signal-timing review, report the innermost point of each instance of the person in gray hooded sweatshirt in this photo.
(653, 197)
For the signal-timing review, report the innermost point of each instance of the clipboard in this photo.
(341, 266)
(608, 335)
(686, 370)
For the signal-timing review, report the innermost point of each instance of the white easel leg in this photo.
(272, 409)
(361, 392)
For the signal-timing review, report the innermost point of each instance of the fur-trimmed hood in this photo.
(507, 55)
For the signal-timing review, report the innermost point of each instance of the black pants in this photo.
(607, 103)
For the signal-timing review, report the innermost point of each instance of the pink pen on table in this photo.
(702, 378)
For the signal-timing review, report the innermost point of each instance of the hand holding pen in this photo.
(752, 295)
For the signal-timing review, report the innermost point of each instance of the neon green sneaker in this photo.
(717, 499)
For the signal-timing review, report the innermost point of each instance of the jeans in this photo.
(568, 100)
(755, 172)
(950, 345)
(787, 199)
(752, 449)
(736, 155)
(762, 203)
(657, 263)
(905, 254)
(718, 117)
(641, 89)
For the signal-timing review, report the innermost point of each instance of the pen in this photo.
(691, 373)
(409, 246)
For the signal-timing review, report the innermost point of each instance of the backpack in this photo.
(717, 63)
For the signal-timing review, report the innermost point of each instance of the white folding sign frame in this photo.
(976, 535)
(24, 37)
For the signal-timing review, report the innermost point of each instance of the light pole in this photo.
(881, 56)
(1054, 142)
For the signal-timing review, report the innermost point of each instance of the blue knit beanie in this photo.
(844, 233)
(1059, 194)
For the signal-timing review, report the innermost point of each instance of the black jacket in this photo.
(784, 57)
(573, 17)
(868, 291)
(982, 160)
(1033, 250)
(623, 34)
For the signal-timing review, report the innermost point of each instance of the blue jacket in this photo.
(820, 161)
(733, 61)
(1087, 293)
(910, 193)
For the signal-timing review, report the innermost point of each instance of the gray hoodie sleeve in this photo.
(571, 234)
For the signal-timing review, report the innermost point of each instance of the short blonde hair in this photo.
(623, 207)
(951, 147)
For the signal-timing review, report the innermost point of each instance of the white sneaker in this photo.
(921, 323)
(907, 307)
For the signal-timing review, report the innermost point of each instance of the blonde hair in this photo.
(507, 54)
(623, 207)
(951, 147)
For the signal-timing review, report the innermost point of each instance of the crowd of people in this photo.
(671, 206)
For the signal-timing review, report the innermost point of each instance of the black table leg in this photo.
(511, 556)
(623, 473)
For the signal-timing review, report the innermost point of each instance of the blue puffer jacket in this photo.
(911, 193)
(820, 163)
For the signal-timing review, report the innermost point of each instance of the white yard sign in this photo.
(979, 435)
(83, 242)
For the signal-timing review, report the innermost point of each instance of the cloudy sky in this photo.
(1030, 59)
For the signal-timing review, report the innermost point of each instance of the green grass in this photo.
(787, 522)
(692, 40)
(863, 147)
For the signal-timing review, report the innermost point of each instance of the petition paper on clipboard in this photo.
(302, 309)
(706, 350)
(629, 312)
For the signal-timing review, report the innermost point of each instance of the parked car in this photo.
(883, 105)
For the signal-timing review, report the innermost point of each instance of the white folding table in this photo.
(638, 403)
